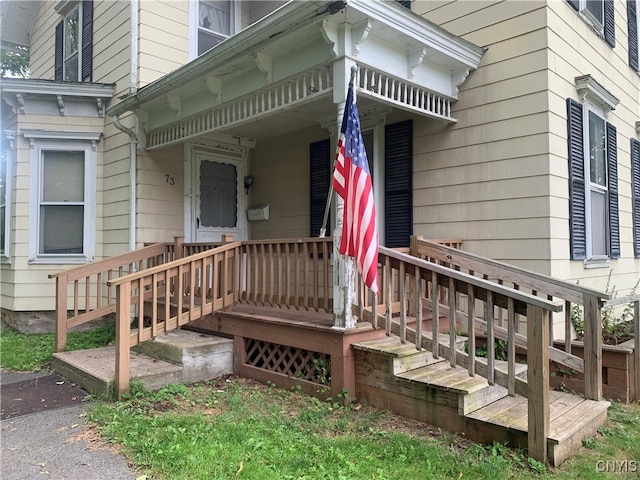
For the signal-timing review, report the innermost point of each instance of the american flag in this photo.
(352, 181)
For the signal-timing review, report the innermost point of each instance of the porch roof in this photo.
(284, 67)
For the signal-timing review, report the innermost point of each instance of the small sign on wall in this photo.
(259, 212)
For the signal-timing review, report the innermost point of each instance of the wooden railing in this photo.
(411, 283)
(293, 273)
(538, 285)
(83, 294)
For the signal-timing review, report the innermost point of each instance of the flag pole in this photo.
(323, 230)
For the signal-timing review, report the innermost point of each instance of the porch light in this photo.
(248, 181)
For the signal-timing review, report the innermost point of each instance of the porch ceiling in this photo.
(17, 17)
(283, 73)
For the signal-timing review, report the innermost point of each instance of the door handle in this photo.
(197, 222)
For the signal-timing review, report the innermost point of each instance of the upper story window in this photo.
(212, 22)
(74, 41)
(593, 175)
(63, 198)
(600, 15)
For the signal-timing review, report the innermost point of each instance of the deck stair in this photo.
(179, 356)
(400, 378)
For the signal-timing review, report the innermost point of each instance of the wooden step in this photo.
(402, 356)
(571, 419)
(473, 392)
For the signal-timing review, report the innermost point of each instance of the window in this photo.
(593, 187)
(600, 15)
(6, 155)
(214, 21)
(632, 24)
(63, 198)
(74, 42)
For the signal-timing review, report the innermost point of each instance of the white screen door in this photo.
(219, 198)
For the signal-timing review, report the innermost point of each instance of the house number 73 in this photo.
(170, 180)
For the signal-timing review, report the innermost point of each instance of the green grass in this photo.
(238, 429)
(23, 352)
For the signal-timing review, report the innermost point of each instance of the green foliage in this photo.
(615, 328)
(31, 352)
(14, 62)
(500, 348)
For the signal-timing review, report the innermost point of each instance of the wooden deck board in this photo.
(390, 346)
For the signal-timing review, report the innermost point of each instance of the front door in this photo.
(219, 205)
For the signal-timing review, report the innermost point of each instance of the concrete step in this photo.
(201, 356)
(178, 357)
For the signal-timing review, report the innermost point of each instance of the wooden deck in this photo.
(275, 299)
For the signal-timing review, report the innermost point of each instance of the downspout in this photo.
(133, 163)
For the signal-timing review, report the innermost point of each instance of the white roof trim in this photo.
(32, 133)
(47, 87)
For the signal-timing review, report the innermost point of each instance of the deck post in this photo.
(538, 381)
(178, 245)
(592, 348)
(61, 313)
(636, 348)
(123, 330)
(344, 278)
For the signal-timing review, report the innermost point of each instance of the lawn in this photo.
(234, 428)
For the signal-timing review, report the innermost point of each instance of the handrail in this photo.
(86, 288)
(402, 273)
(292, 272)
(539, 285)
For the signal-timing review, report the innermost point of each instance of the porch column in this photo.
(344, 271)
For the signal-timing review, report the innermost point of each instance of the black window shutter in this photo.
(320, 176)
(609, 23)
(577, 221)
(575, 4)
(405, 3)
(635, 194)
(57, 71)
(632, 22)
(612, 167)
(87, 40)
(398, 184)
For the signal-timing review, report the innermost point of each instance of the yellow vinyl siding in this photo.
(161, 195)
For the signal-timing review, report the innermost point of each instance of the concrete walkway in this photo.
(56, 445)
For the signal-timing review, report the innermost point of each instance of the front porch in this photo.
(274, 299)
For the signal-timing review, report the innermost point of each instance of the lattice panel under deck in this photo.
(294, 362)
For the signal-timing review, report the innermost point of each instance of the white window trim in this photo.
(592, 21)
(47, 141)
(193, 24)
(592, 261)
(9, 137)
(65, 54)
